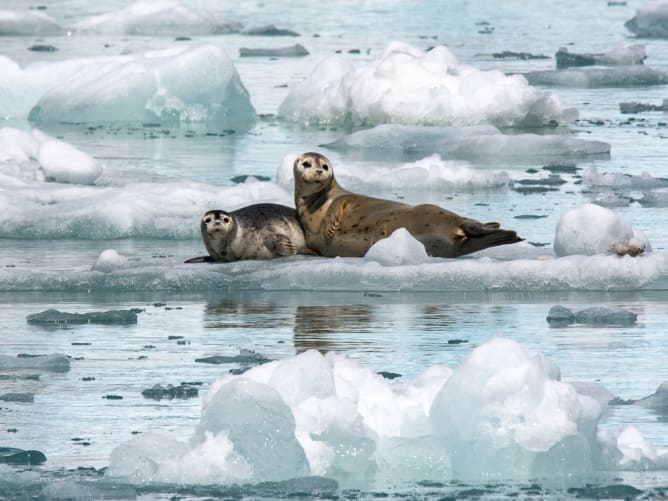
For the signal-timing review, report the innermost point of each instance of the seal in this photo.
(338, 222)
(259, 231)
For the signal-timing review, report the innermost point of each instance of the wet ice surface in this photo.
(110, 229)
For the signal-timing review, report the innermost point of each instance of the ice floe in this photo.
(428, 173)
(621, 76)
(112, 207)
(196, 83)
(297, 50)
(27, 23)
(591, 229)
(651, 20)
(299, 273)
(56, 160)
(158, 17)
(503, 413)
(475, 142)
(622, 56)
(409, 86)
(54, 362)
(645, 181)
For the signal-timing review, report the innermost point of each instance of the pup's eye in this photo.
(207, 220)
(306, 165)
(226, 219)
(325, 166)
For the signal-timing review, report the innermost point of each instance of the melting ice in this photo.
(503, 414)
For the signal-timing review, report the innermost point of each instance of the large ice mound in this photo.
(474, 142)
(158, 17)
(196, 83)
(651, 21)
(504, 413)
(406, 85)
(591, 229)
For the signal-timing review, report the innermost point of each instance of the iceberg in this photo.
(27, 23)
(408, 86)
(475, 142)
(158, 18)
(621, 76)
(650, 21)
(179, 84)
(644, 181)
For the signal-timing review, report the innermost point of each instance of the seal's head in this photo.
(313, 173)
(217, 224)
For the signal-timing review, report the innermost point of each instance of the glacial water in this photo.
(393, 375)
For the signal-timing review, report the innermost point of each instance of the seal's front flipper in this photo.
(200, 259)
(281, 244)
(309, 252)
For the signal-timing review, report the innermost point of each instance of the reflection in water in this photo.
(233, 314)
(332, 328)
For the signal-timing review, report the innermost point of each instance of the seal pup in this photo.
(259, 231)
(338, 222)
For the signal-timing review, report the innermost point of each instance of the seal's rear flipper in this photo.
(200, 259)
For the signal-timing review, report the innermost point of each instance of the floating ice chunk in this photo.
(429, 173)
(622, 76)
(503, 413)
(158, 17)
(56, 317)
(592, 177)
(296, 50)
(596, 391)
(597, 316)
(179, 84)
(27, 23)
(110, 260)
(623, 56)
(591, 229)
(259, 424)
(638, 453)
(55, 362)
(17, 146)
(269, 31)
(406, 85)
(651, 21)
(62, 162)
(400, 248)
(464, 142)
(657, 401)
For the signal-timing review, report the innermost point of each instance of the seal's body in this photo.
(337, 222)
(259, 231)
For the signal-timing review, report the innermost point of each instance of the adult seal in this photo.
(338, 222)
(259, 231)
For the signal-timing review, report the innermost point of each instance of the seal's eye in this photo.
(325, 166)
(306, 165)
(207, 220)
(226, 219)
